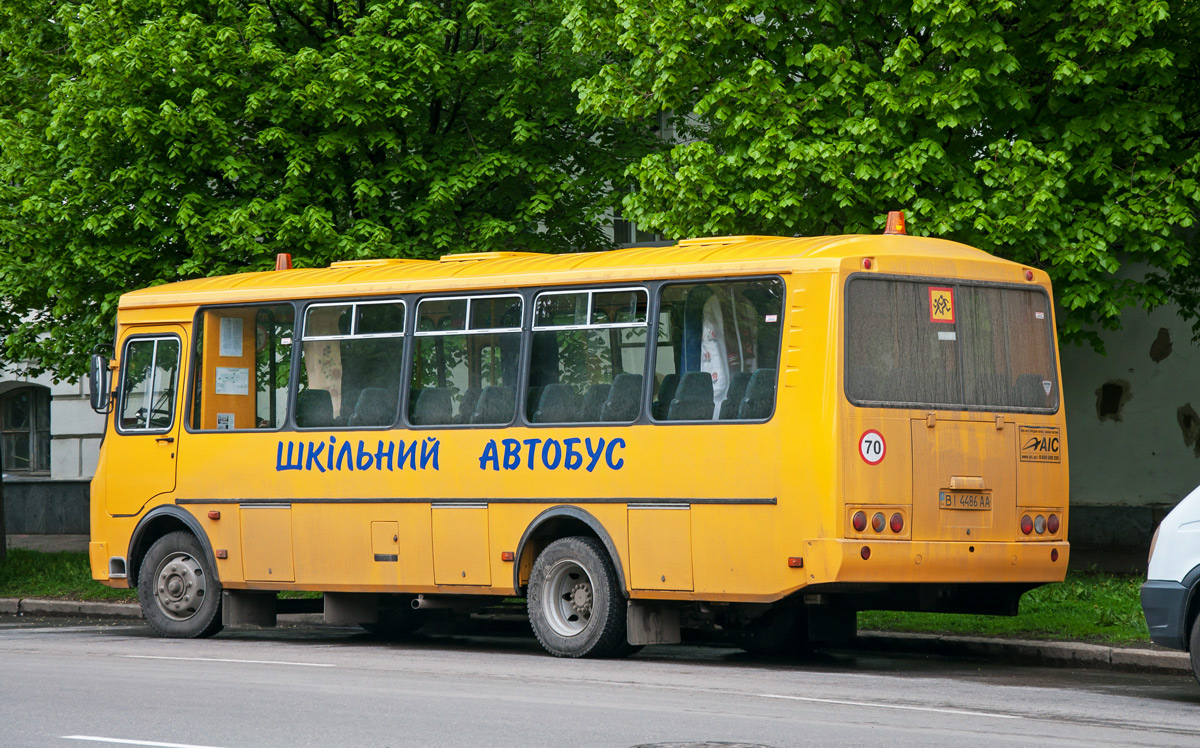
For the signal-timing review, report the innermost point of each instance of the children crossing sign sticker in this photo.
(941, 305)
(871, 447)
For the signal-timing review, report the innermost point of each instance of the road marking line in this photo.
(242, 662)
(890, 706)
(95, 739)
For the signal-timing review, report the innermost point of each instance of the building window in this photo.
(25, 429)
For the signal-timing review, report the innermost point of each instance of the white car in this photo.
(1169, 596)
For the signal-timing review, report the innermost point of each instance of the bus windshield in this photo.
(950, 345)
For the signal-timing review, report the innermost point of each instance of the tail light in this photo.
(1052, 523)
(878, 522)
(859, 521)
(1039, 524)
(1026, 524)
(897, 522)
(865, 552)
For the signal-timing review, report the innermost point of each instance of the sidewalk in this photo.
(1008, 651)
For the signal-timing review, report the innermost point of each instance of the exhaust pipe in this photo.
(420, 602)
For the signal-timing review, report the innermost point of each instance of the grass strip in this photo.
(1088, 606)
(64, 576)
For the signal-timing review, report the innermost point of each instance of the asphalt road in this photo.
(81, 683)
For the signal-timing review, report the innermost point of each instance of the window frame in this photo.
(119, 407)
(467, 329)
(522, 294)
(31, 433)
(652, 355)
(953, 283)
(352, 335)
(190, 399)
(591, 290)
(304, 305)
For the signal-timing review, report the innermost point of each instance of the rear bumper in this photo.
(831, 561)
(1165, 606)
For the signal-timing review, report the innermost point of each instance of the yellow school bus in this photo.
(758, 436)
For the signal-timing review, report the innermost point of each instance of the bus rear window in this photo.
(950, 345)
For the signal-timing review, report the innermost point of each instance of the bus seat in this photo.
(624, 399)
(533, 398)
(558, 404)
(666, 391)
(496, 406)
(375, 407)
(466, 408)
(760, 395)
(693, 399)
(314, 408)
(432, 407)
(733, 397)
(593, 401)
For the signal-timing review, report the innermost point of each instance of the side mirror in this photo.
(99, 383)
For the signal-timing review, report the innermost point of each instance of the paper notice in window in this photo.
(231, 337)
(231, 380)
(225, 422)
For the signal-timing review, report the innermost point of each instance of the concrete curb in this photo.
(1013, 651)
(1031, 652)
(30, 606)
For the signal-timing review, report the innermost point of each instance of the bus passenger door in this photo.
(141, 455)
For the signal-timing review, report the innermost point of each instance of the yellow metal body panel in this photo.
(267, 544)
(660, 542)
(460, 546)
(974, 450)
(759, 493)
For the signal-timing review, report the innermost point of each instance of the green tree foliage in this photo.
(1058, 134)
(143, 141)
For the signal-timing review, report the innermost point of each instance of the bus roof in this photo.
(726, 255)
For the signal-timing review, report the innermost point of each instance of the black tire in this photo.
(1194, 648)
(576, 605)
(180, 595)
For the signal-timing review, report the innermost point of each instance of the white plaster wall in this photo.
(1142, 458)
(75, 429)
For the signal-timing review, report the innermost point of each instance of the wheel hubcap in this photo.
(568, 602)
(179, 586)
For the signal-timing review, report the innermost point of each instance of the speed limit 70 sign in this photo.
(871, 447)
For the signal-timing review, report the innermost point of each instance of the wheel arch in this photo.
(157, 523)
(561, 522)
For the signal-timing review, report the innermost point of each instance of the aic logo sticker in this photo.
(1040, 444)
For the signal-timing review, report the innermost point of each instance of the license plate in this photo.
(965, 500)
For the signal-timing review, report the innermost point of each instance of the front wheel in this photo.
(576, 606)
(179, 594)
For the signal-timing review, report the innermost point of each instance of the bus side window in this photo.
(727, 332)
(465, 367)
(350, 364)
(588, 354)
(243, 365)
(151, 373)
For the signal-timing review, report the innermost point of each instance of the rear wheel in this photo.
(1194, 648)
(576, 606)
(179, 594)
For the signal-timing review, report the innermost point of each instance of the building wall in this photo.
(57, 502)
(1133, 429)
